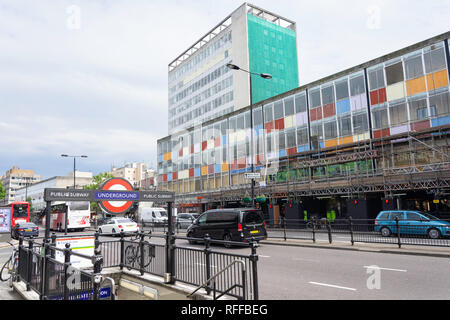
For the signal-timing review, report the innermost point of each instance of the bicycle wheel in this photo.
(130, 257)
(148, 254)
(5, 273)
(13, 270)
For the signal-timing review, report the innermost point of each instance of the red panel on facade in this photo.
(421, 125)
(180, 153)
(382, 95)
(329, 110)
(164, 177)
(381, 133)
(242, 163)
(211, 169)
(217, 142)
(191, 172)
(174, 175)
(374, 97)
(204, 145)
(315, 114)
(259, 158)
(192, 149)
(291, 151)
(269, 127)
(279, 124)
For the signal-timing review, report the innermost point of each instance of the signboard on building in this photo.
(252, 175)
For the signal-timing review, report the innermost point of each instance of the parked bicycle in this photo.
(133, 253)
(8, 271)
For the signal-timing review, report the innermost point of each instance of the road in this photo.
(300, 273)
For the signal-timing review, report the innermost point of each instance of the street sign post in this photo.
(252, 175)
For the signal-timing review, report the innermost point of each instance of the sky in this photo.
(89, 77)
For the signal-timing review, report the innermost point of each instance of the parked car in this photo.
(153, 216)
(117, 225)
(24, 229)
(184, 220)
(411, 222)
(229, 225)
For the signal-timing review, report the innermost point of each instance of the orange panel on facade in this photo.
(415, 86)
(330, 143)
(165, 157)
(269, 127)
(169, 156)
(346, 140)
(224, 167)
(204, 170)
(381, 133)
(437, 80)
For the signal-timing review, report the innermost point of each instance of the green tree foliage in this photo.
(2, 191)
(30, 203)
(97, 180)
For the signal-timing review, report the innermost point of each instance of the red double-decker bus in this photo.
(20, 212)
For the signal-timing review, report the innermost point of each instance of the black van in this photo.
(237, 224)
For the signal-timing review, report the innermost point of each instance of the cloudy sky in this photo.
(90, 76)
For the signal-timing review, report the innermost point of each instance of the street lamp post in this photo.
(264, 76)
(74, 181)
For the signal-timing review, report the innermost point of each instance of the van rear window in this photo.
(253, 217)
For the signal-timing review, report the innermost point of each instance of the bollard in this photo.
(29, 263)
(330, 239)
(284, 228)
(208, 262)
(314, 229)
(350, 221)
(67, 253)
(398, 233)
(141, 249)
(254, 261)
(122, 250)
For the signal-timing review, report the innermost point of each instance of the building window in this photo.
(345, 126)
(440, 103)
(330, 129)
(380, 119)
(278, 110)
(342, 89)
(434, 60)
(414, 67)
(289, 106)
(398, 114)
(268, 115)
(314, 98)
(357, 86)
(327, 95)
(300, 103)
(290, 138)
(376, 79)
(360, 123)
(394, 73)
(302, 136)
(418, 109)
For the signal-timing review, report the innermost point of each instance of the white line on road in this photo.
(263, 256)
(332, 286)
(388, 269)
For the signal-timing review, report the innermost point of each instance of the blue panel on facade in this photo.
(224, 140)
(282, 153)
(303, 148)
(442, 121)
(217, 168)
(258, 130)
(169, 177)
(160, 158)
(197, 172)
(343, 106)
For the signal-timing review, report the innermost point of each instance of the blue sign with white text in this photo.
(116, 196)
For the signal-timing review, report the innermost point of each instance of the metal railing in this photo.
(398, 232)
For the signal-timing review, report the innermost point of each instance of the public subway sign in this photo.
(114, 196)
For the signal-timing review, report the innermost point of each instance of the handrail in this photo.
(216, 275)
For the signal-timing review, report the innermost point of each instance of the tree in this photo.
(30, 203)
(97, 180)
(2, 191)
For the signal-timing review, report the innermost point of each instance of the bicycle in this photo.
(133, 254)
(8, 271)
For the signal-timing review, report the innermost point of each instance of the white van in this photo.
(153, 216)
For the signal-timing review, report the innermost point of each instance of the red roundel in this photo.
(116, 184)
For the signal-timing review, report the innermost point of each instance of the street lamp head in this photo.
(64, 155)
(233, 66)
(266, 76)
(84, 156)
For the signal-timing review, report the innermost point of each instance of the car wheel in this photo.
(385, 232)
(434, 233)
(189, 235)
(227, 237)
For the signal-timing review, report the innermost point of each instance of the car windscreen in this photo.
(429, 216)
(251, 217)
(124, 221)
(77, 206)
(162, 213)
(20, 210)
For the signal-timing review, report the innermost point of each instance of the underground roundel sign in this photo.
(112, 200)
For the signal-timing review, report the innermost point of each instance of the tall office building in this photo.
(202, 88)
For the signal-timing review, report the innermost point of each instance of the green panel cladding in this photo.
(273, 50)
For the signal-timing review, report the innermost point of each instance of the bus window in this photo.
(79, 206)
(20, 210)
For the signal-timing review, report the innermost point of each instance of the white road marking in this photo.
(332, 286)
(388, 269)
(260, 255)
(303, 259)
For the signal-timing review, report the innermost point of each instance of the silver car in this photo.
(184, 220)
